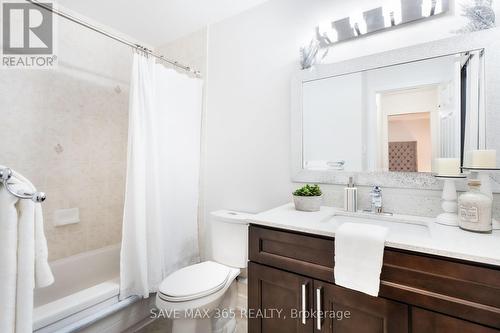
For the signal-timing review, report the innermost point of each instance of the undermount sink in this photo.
(397, 225)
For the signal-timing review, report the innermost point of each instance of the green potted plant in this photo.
(308, 198)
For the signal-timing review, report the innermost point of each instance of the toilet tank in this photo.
(229, 232)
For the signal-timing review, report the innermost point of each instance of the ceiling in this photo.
(156, 22)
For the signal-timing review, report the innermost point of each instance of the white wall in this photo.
(190, 50)
(251, 59)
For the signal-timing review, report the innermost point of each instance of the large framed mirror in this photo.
(395, 118)
(387, 117)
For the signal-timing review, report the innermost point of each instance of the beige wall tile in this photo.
(66, 130)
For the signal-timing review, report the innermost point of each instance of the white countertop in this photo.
(418, 234)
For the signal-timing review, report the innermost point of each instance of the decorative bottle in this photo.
(474, 209)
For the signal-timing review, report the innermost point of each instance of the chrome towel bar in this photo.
(6, 175)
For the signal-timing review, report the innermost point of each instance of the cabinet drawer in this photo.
(453, 287)
(424, 321)
(310, 256)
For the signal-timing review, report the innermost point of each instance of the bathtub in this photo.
(85, 284)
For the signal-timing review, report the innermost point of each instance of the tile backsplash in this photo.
(397, 200)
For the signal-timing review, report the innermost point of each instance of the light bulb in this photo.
(432, 7)
(392, 13)
(439, 7)
(325, 29)
(426, 8)
(358, 23)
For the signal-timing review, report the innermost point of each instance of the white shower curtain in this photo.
(160, 232)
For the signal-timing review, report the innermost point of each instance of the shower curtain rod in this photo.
(112, 36)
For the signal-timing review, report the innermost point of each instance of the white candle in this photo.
(447, 166)
(484, 159)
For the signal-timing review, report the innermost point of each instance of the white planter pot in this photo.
(307, 204)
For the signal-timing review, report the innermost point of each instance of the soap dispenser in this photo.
(351, 197)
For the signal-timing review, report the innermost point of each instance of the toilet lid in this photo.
(195, 281)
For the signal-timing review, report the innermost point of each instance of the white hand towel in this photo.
(359, 255)
(23, 257)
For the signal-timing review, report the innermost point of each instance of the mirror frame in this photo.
(489, 118)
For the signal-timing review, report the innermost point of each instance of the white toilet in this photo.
(188, 294)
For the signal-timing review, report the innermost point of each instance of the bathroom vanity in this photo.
(359, 118)
(434, 278)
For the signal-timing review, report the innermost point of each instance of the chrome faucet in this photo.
(377, 203)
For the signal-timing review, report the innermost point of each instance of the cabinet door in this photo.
(424, 321)
(348, 311)
(275, 298)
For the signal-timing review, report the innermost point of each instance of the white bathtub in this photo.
(84, 285)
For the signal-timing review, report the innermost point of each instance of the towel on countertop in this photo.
(359, 254)
(23, 257)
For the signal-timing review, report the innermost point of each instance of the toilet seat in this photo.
(193, 282)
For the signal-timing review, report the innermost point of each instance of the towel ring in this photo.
(6, 175)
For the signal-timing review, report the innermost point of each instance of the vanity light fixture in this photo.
(391, 14)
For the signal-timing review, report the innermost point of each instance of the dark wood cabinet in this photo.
(346, 311)
(419, 293)
(280, 297)
(425, 321)
(287, 303)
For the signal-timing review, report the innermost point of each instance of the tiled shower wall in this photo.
(66, 130)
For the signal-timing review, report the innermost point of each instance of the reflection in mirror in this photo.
(397, 118)
(407, 145)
